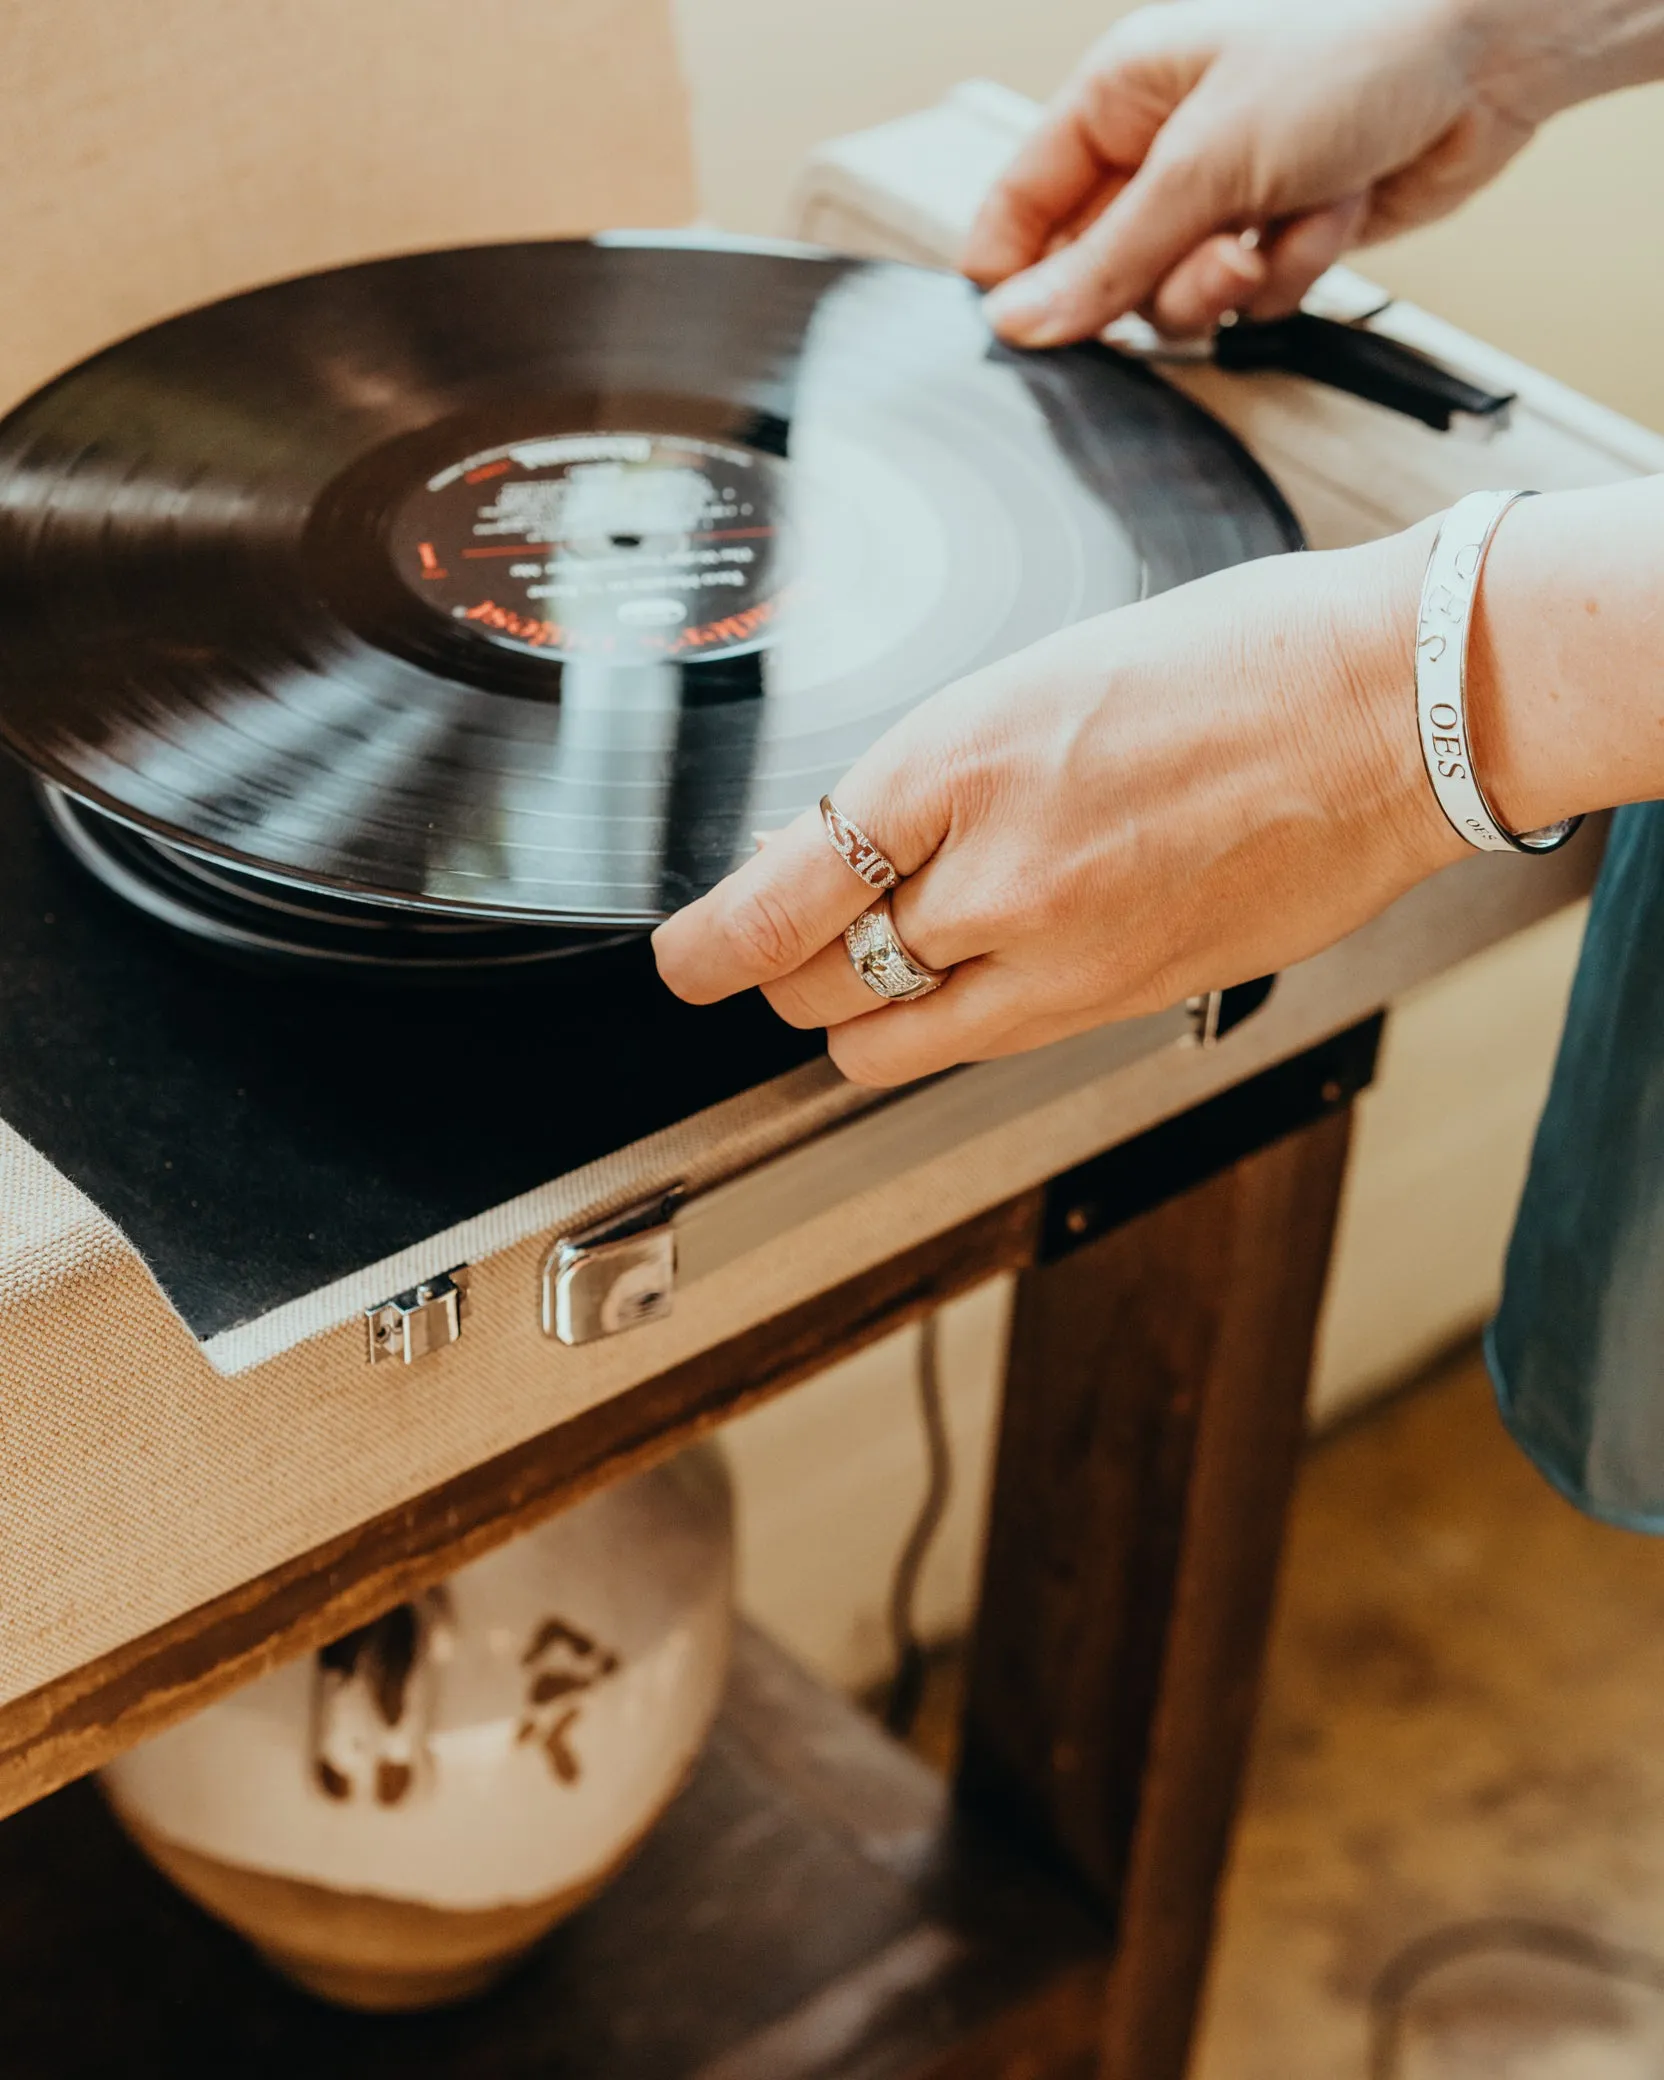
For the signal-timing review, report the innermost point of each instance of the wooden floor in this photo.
(1457, 1796)
(1451, 1862)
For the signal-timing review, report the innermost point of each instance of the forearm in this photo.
(1566, 659)
(1536, 57)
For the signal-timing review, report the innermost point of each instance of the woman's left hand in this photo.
(1183, 794)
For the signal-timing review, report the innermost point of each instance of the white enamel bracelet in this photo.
(1443, 627)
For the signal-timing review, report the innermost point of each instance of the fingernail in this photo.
(1020, 308)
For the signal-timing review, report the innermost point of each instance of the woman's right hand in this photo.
(1312, 125)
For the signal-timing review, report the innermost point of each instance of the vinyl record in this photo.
(256, 922)
(530, 582)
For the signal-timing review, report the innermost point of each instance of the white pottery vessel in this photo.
(395, 1820)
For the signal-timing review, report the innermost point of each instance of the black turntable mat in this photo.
(259, 1136)
(531, 581)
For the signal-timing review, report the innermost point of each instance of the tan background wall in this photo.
(156, 153)
(1559, 262)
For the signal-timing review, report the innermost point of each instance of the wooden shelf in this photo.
(811, 1905)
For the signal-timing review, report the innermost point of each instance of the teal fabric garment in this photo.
(1577, 1348)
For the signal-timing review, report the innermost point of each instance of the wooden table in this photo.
(817, 1903)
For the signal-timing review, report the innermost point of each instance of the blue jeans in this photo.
(1577, 1348)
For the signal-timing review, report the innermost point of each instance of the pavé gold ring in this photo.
(855, 848)
(883, 963)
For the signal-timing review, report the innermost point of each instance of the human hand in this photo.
(1217, 155)
(1167, 799)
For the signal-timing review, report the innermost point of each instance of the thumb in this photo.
(795, 894)
(1304, 248)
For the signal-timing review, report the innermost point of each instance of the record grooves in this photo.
(256, 921)
(457, 612)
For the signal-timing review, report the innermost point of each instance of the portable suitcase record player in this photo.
(456, 615)
(449, 618)
(362, 1194)
(359, 625)
(627, 551)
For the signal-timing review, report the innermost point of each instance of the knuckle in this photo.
(971, 779)
(788, 1002)
(764, 934)
(972, 770)
(1183, 161)
(676, 953)
(1146, 32)
(865, 1058)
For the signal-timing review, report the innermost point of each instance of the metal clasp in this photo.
(1220, 1011)
(613, 1276)
(424, 1319)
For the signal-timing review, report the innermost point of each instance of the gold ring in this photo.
(883, 963)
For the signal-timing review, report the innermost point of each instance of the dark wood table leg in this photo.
(1153, 1418)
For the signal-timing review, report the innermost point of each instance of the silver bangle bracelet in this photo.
(1443, 628)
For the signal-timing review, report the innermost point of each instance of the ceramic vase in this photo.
(394, 1822)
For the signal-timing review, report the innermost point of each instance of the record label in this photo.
(632, 548)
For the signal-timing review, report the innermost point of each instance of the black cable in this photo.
(1430, 1953)
(907, 1684)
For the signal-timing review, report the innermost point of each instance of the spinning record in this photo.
(529, 582)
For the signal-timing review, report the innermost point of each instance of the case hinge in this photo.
(424, 1319)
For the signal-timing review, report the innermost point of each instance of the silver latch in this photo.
(613, 1276)
(425, 1319)
(1221, 1011)
(1203, 1013)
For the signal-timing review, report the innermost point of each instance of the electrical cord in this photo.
(1404, 1974)
(901, 1709)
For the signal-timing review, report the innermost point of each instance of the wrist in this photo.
(1534, 58)
(1507, 723)
(1565, 668)
(1376, 642)
(1563, 659)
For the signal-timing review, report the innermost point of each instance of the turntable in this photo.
(526, 585)
(450, 618)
